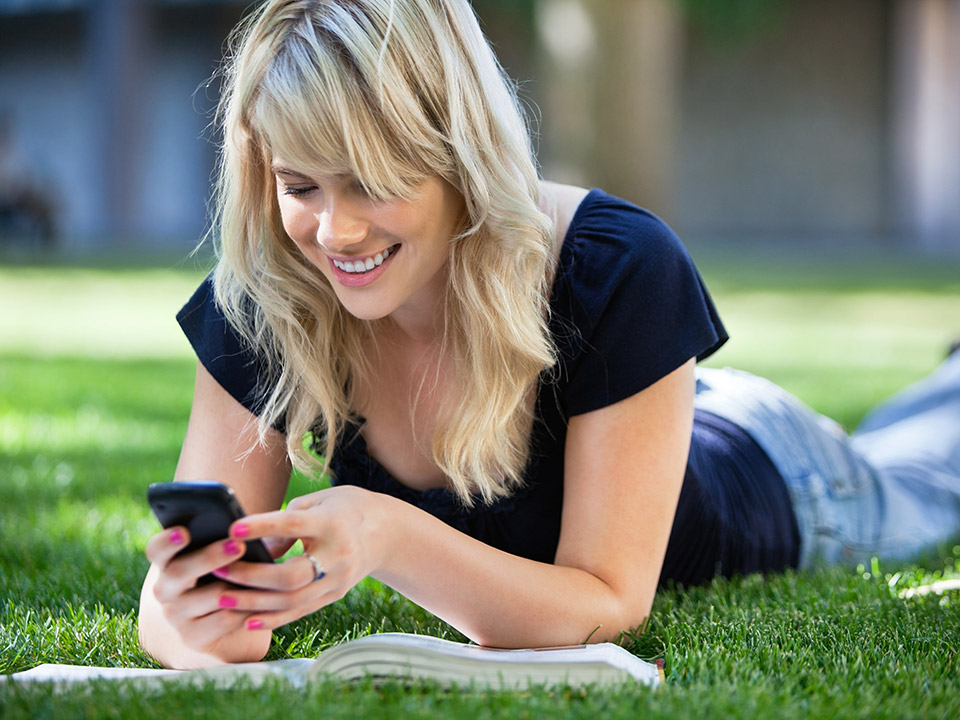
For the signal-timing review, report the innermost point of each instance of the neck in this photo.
(419, 322)
(412, 329)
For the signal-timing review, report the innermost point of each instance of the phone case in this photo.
(206, 509)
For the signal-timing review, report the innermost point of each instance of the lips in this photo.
(363, 271)
(362, 265)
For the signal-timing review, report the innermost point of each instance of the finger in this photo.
(270, 601)
(199, 602)
(271, 610)
(295, 573)
(208, 629)
(302, 502)
(163, 546)
(273, 619)
(182, 573)
(292, 524)
(219, 596)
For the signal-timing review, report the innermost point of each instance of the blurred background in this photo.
(756, 124)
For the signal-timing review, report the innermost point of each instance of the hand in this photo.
(202, 616)
(342, 527)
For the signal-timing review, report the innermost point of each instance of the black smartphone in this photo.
(206, 509)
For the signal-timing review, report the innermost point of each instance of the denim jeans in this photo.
(890, 489)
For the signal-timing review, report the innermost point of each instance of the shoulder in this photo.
(609, 243)
(593, 225)
(561, 203)
(628, 304)
(239, 368)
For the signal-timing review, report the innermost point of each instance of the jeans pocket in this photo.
(848, 486)
(838, 521)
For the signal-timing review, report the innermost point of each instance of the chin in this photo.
(367, 316)
(368, 311)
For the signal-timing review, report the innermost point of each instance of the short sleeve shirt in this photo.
(627, 308)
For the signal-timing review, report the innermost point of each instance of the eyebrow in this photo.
(279, 170)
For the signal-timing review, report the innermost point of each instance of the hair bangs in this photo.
(319, 112)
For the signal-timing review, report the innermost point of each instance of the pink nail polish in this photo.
(221, 572)
(254, 625)
(231, 548)
(240, 530)
(176, 537)
(226, 601)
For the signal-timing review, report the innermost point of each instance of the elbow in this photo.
(614, 631)
(625, 614)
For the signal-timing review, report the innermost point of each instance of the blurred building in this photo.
(835, 120)
(812, 120)
(109, 107)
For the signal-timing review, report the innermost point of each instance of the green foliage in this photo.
(81, 436)
(733, 21)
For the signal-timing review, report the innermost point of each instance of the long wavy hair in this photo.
(392, 92)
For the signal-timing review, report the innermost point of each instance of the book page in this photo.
(293, 669)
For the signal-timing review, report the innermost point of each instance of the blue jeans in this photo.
(890, 489)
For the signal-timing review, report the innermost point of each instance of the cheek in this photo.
(299, 224)
(425, 226)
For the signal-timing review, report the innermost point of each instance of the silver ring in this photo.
(318, 572)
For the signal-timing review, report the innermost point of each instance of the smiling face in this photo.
(382, 257)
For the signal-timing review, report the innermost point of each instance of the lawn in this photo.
(95, 385)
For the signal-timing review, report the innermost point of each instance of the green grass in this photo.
(94, 402)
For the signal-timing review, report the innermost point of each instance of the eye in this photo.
(298, 190)
(292, 183)
(295, 187)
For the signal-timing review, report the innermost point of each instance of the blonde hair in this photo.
(392, 92)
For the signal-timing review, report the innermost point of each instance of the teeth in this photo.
(361, 266)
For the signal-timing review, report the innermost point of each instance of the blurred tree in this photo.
(511, 29)
(731, 21)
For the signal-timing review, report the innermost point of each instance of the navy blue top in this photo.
(628, 307)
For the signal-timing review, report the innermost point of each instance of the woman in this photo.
(499, 370)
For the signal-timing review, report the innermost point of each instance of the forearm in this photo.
(499, 599)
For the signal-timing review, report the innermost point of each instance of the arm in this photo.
(216, 447)
(624, 468)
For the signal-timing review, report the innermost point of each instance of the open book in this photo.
(404, 657)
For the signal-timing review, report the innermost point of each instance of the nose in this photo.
(339, 225)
